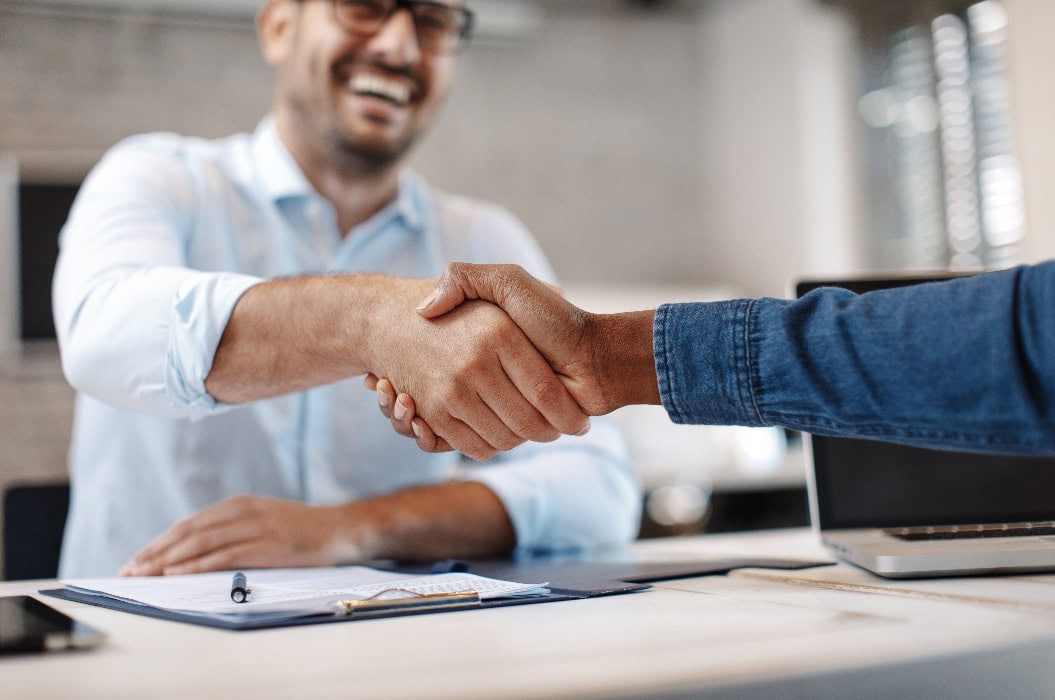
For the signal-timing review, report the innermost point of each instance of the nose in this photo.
(397, 40)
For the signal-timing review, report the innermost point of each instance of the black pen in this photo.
(239, 591)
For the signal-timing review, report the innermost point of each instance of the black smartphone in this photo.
(26, 624)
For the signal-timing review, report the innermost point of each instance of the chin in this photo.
(380, 148)
(373, 156)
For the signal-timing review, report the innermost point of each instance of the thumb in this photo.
(462, 281)
(447, 295)
(536, 306)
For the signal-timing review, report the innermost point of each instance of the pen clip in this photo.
(375, 604)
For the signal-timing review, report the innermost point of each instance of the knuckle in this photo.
(508, 442)
(528, 427)
(548, 392)
(547, 434)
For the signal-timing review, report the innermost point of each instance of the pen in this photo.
(239, 591)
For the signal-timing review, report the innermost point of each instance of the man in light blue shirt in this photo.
(214, 299)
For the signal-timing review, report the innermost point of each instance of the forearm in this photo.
(963, 364)
(288, 335)
(455, 519)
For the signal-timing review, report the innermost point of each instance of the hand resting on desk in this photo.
(455, 519)
(244, 532)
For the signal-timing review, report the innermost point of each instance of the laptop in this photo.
(904, 512)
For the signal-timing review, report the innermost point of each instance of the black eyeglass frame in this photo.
(461, 39)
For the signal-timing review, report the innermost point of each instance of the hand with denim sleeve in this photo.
(604, 360)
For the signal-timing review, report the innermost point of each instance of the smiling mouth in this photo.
(382, 88)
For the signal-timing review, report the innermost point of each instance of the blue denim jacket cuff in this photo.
(703, 362)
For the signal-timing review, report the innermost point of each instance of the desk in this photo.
(824, 632)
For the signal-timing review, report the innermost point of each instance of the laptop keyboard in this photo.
(960, 532)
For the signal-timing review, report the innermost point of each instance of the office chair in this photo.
(34, 519)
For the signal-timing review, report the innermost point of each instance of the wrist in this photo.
(359, 534)
(359, 324)
(625, 360)
(382, 313)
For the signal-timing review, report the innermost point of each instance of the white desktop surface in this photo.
(824, 632)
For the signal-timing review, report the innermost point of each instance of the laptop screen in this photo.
(864, 483)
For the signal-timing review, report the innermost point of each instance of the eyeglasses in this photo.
(440, 28)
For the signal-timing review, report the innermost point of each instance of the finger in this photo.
(463, 438)
(370, 381)
(531, 303)
(426, 439)
(455, 286)
(195, 546)
(403, 412)
(386, 397)
(509, 404)
(479, 413)
(243, 555)
(493, 283)
(216, 515)
(203, 542)
(540, 387)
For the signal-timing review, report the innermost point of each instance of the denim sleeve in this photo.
(962, 364)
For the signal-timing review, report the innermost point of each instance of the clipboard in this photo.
(288, 597)
(256, 621)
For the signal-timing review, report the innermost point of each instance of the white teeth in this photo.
(375, 85)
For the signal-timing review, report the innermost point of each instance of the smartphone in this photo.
(26, 624)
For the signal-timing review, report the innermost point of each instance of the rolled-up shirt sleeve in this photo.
(576, 493)
(137, 327)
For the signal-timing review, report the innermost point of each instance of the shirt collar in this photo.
(279, 174)
(282, 178)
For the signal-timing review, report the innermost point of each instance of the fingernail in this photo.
(585, 429)
(382, 398)
(416, 429)
(399, 411)
(428, 300)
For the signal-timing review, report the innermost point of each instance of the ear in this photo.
(275, 25)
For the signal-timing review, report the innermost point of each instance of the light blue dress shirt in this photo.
(165, 235)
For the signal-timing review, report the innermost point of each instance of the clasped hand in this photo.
(566, 337)
(480, 383)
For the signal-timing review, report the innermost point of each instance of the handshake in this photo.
(532, 365)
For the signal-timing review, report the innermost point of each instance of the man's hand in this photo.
(478, 381)
(246, 532)
(605, 361)
(565, 334)
(423, 523)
